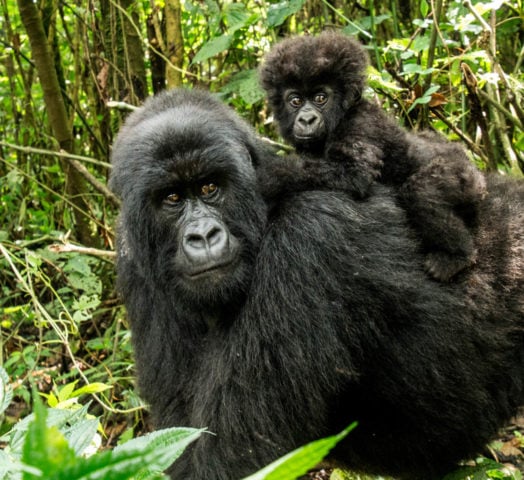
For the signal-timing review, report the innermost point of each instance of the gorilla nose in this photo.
(205, 241)
(308, 119)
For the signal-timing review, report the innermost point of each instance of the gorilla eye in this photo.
(173, 198)
(320, 98)
(295, 101)
(208, 189)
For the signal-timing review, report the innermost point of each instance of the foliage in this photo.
(54, 443)
(455, 67)
(301, 460)
(485, 469)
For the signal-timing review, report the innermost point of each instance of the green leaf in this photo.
(246, 85)
(424, 8)
(162, 448)
(367, 22)
(484, 470)
(65, 392)
(80, 435)
(238, 16)
(425, 98)
(6, 392)
(377, 81)
(213, 47)
(141, 458)
(278, 12)
(412, 68)
(299, 461)
(55, 418)
(95, 387)
(11, 468)
(45, 448)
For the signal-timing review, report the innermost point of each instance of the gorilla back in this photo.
(276, 330)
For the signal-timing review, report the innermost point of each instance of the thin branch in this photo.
(81, 169)
(516, 121)
(436, 11)
(121, 105)
(61, 154)
(485, 25)
(95, 183)
(69, 247)
(470, 143)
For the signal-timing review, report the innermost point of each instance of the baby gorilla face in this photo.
(306, 111)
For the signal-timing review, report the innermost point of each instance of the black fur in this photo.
(338, 322)
(439, 187)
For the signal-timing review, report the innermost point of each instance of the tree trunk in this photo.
(134, 52)
(174, 43)
(55, 107)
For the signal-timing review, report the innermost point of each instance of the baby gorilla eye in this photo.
(208, 189)
(295, 101)
(320, 98)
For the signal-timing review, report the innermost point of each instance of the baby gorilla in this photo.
(315, 85)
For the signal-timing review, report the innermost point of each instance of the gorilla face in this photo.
(191, 213)
(308, 115)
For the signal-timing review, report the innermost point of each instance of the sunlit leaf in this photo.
(213, 47)
(279, 12)
(299, 461)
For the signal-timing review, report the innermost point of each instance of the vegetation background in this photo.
(70, 70)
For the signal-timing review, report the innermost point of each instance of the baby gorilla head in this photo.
(184, 218)
(311, 82)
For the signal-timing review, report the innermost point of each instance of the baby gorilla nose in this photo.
(205, 242)
(308, 119)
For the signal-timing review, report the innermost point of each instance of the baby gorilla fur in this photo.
(315, 86)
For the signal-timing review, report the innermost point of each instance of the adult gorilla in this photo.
(274, 331)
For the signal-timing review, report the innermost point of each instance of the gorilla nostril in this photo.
(215, 236)
(195, 240)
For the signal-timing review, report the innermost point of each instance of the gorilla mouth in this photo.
(210, 270)
(308, 137)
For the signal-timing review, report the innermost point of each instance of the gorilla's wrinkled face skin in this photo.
(191, 215)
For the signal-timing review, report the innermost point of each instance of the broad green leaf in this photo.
(299, 461)
(55, 417)
(45, 448)
(52, 401)
(238, 16)
(424, 8)
(81, 434)
(165, 446)
(95, 387)
(367, 22)
(246, 85)
(65, 392)
(213, 47)
(141, 458)
(11, 468)
(411, 68)
(278, 12)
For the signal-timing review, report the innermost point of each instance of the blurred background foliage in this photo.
(71, 70)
